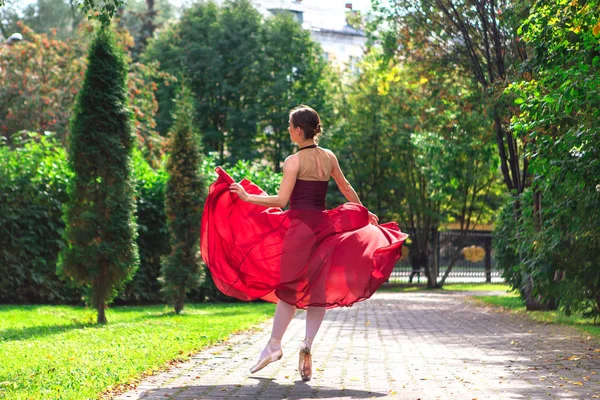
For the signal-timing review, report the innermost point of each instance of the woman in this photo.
(306, 257)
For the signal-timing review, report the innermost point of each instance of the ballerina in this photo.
(306, 257)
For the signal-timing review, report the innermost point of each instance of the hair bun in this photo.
(317, 129)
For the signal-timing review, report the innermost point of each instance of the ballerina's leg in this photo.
(283, 316)
(314, 317)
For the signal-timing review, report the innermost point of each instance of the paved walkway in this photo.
(398, 346)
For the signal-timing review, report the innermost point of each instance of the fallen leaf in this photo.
(596, 30)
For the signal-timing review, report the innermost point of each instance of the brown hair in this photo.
(307, 119)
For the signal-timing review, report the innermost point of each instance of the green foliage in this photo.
(181, 269)
(414, 144)
(219, 50)
(67, 357)
(33, 186)
(43, 75)
(103, 10)
(60, 16)
(294, 72)
(142, 22)
(101, 251)
(33, 181)
(40, 78)
(559, 107)
(245, 74)
(153, 235)
(506, 245)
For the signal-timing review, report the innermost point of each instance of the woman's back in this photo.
(315, 164)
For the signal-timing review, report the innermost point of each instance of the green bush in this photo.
(33, 181)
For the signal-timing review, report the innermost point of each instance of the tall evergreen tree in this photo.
(181, 269)
(101, 234)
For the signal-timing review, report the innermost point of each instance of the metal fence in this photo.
(444, 246)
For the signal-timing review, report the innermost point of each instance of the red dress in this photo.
(305, 256)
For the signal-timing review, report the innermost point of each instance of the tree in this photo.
(245, 75)
(419, 152)
(294, 72)
(61, 16)
(39, 78)
(43, 74)
(103, 10)
(101, 252)
(142, 18)
(481, 38)
(219, 48)
(559, 116)
(181, 269)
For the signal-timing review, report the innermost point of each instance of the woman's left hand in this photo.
(239, 190)
(373, 219)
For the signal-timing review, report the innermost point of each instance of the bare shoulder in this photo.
(330, 154)
(291, 162)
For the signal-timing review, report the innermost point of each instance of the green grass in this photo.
(513, 303)
(58, 352)
(463, 287)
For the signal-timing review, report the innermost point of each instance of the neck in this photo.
(305, 143)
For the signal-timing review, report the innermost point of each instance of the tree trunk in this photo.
(100, 306)
(180, 300)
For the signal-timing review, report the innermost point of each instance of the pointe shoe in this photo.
(268, 359)
(305, 363)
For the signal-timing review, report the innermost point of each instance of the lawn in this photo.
(58, 352)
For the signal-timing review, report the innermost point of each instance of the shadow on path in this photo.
(266, 388)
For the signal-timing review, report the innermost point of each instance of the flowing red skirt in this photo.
(327, 258)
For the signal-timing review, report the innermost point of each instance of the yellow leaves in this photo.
(573, 358)
(383, 88)
(596, 29)
(423, 80)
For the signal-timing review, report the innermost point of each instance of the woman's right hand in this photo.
(373, 219)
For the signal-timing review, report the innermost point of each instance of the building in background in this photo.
(342, 44)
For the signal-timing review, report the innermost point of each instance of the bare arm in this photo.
(341, 181)
(290, 172)
(346, 188)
